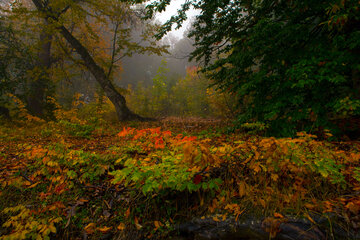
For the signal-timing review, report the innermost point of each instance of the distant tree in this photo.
(294, 64)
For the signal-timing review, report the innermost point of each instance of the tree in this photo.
(295, 64)
(62, 19)
(15, 61)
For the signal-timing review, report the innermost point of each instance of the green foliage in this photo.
(254, 128)
(15, 61)
(291, 63)
(78, 130)
(188, 96)
(168, 174)
(159, 90)
(65, 185)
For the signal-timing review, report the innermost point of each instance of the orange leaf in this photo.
(278, 215)
(127, 213)
(137, 225)
(125, 132)
(310, 218)
(354, 208)
(90, 228)
(121, 227)
(157, 224)
(105, 229)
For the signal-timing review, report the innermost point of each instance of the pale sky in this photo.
(172, 10)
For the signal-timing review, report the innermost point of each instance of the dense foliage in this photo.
(288, 65)
(176, 96)
(294, 64)
(83, 177)
(15, 61)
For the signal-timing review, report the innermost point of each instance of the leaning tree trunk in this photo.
(123, 112)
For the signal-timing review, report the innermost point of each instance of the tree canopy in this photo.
(294, 64)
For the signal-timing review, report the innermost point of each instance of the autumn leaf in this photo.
(157, 225)
(242, 189)
(354, 208)
(137, 225)
(127, 213)
(34, 185)
(125, 132)
(121, 227)
(274, 177)
(90, 228)
(159, 143)
(104, 229)
(197, 179)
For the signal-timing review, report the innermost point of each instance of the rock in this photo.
(250, 228)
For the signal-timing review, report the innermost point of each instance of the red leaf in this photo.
(197, 179)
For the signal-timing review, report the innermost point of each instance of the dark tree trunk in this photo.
(36, 99)
(123, 112)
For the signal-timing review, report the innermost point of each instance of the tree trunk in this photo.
(36, 99)
(123, 112)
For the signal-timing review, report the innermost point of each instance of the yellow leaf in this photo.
(216, 219)
(262, 202)
(52, 228)
(242, 189)
(33, 185)
(310, 218)
(274, 177)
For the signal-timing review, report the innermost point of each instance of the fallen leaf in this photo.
(157, 224)
(121, 227)
(127, 213)
(105, 229)
(90, 228)
(354, 208)
(278, 215)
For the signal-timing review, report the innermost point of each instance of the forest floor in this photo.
(69, 180)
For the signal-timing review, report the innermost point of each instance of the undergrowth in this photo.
(73, 177)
